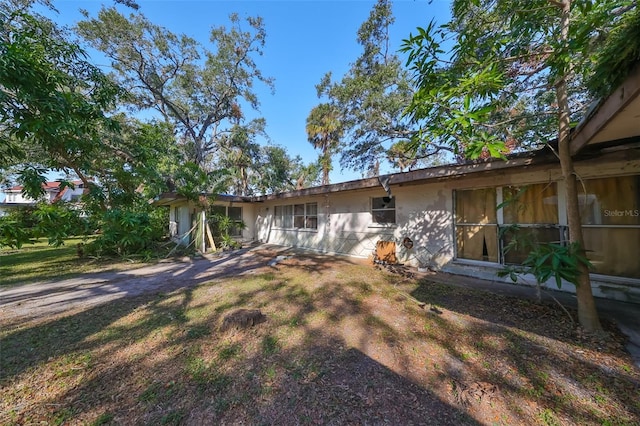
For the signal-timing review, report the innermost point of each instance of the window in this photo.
(234, 216)
(383, 210)
(530, 217)
(476, 224)
(301, 216)
(610, 212)
(284, 216)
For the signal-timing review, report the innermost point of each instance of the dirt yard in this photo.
(341, 342)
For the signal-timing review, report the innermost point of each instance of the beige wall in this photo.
(180, 219)
(424, 213)
(345, 226)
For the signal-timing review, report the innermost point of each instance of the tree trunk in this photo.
(587, 312)
(326, 164)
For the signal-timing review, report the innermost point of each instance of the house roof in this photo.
(47, 186)
(168, 198)
(613, 118)
(525, 160)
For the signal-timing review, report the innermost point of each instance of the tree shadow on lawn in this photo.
(543, 357)
(334, 350)
(546, 318)
(196, 375)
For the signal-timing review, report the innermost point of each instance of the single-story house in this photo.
(449, 217)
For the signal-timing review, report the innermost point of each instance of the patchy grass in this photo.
(336, 349)
(40, 261)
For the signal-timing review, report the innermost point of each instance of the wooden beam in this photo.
(607, 110)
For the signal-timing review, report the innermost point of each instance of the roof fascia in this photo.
(606, 111)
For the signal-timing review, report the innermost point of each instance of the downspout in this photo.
(384, 181)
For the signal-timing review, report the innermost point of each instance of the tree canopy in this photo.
(512, 78)
(486, 81)
(372, 97)
(53, 102)
(324, 132)
(199, 90)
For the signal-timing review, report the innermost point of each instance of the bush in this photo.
(126, 233)
(56, 222)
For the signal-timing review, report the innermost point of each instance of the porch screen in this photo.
(530, 217)
(476, 224)
(610, 212)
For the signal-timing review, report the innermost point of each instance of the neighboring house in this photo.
(447, 217)
(12, 197)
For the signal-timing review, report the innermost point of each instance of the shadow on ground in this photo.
(342, 345)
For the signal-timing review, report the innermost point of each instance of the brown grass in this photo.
(343, 343)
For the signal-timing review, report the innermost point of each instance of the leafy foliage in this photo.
(223, 226)
(277, 171)
(324, 131)
(372, 97)
(545, 261)
(486, 80)
(197, 90)
(52, 101)
(12, 233)
(56, 222)
(238, 154)
(127, 232)
(617, 57)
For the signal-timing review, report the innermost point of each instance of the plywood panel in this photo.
(386, 251)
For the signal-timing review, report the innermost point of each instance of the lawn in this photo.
(343, 343)
(40, 261)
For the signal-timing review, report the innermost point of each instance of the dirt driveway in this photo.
(39, 300)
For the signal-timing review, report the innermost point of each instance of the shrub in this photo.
(125, 233)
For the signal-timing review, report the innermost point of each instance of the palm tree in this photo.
(324, 131)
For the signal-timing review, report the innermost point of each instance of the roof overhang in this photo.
(616, 117)
(169, 198)
(420, 176)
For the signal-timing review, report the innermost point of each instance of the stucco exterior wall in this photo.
(181, 217)
(425, 214)
(345, 225)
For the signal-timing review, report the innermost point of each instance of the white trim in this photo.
(472, 262)
(614, 279)
(375, 225)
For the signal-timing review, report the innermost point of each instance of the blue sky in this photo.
(305, 40)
